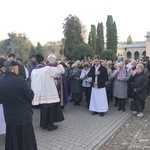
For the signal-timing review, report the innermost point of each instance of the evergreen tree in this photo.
(39, 49)
(109, 25)
(80, 50)
(108, 55)
(111, 34)
(73, 34)
(92, 38)
(100, 38)
(32, 51)
(114, 38)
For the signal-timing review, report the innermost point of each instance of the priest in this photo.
(43, 85)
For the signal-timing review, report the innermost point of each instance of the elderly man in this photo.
(21, 72)
(2, 121)
(16, 97)
(43, 85)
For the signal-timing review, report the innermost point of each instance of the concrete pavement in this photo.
(80, 130)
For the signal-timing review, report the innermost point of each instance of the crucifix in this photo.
(11, 45)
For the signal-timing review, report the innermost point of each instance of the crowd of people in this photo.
(47, 83)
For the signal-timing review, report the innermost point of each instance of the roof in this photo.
(133, 45)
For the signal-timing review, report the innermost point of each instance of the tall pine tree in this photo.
(114, 38)
(92, 38)
(39, 49)
(111, 34)
(100, 38)
(109, 25)
(73, 34)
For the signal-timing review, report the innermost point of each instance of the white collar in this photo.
(96, 67)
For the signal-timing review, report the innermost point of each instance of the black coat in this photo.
(16, 97)
(1, 73)
(22, 72)
(102, 77)
(140, 83)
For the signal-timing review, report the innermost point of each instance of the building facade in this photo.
(136, 50)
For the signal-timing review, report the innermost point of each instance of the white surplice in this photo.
(98, 101)
(43, 85)
(2, 121)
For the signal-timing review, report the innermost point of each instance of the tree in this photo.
(52, 47)
(18, 44)
(92, 38)
(100, 38)
(114, 38)
(32, 51)
(108, 55)
(111, 34)
(82, 50)
(39, 49)
(72, 33)
(4, 47)
(109, 24)
(129, 40)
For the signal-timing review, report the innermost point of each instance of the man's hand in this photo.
(95, 83)
(97, 73)
(135, 90)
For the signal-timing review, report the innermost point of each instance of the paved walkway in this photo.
(80, 130)
(133, 135)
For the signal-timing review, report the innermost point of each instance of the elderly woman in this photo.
(121, 76)
(86, 82)
(76, 84)
(140, 84)
(132, 71)
(108, 66)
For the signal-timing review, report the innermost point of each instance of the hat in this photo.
(10, 63)
(39, 58)
(78, 62)
(2, 60)
(140, 66)
(51, 58)
(120, 64)
(74, 65)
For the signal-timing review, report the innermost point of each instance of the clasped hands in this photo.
(76, 78)
(97, 73)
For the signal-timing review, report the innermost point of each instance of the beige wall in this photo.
(148, 46)
(123, 52)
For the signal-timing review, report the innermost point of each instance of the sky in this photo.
(42, 20)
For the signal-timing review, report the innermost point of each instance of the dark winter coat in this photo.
(140, 83)
(1, 73)
(76, 85)
(16, 97)
(22, 72)
(102, 77)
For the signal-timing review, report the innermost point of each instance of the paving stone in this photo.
(82, 131)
